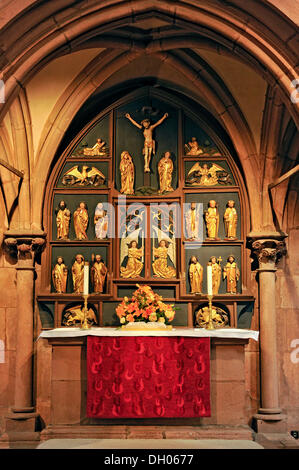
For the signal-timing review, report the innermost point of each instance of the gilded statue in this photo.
(99, 149)
(98, 274)
(193, 148)
(127, 172)
(78, 274)
(81, 221)
(206, 175)
(232, 274)
(88, 176)
(216, 273)
(63, 217)
(149, 147)
(230, 221)
(219, 317)
(134, 265)
(192, 222)
(195, 275)
(59, 276)
(160, 267)
(101, 221)
(75, 315)
(165, 170)
(212, 220)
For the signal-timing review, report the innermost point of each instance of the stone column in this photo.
(268, 249)
(24, 247)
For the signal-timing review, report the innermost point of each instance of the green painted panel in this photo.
(203, 254)
(72, 202)
(201, 160)
(245, 313)
(69, 253)
(130, 138)
(101, 166)
(99, 131)
(221, 199)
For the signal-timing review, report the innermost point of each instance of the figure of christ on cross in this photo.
(149, 143)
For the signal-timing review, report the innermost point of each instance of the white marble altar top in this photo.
(73, 332)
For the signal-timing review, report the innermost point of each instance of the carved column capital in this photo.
(268, 248)
(24, 245)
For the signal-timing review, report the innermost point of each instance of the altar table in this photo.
(69, 384)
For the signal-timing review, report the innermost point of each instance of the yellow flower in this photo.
(153, 317)
(161, 320)
(122, 320)
(169, 314)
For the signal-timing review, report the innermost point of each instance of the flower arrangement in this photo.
(144, 306)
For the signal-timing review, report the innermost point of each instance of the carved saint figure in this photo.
(160, 267)
(98, 274)
(81, 221)
(59, 276)
(134, 265)
(63, 217)
(193, 148)
(149, 143)
(212, 220)
(232, 274)
(192, 222)
(101, 221)
(195, 275)
(216, 274)
(127, 172)
(98, 149)
(230, 221)
(165, 169)
(78, 274)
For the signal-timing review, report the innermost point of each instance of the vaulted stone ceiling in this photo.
(235, 61)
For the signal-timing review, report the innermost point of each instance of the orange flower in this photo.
(130, 318)
(120, 311)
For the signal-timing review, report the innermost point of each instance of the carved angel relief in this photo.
(206, 175)
(88, 176)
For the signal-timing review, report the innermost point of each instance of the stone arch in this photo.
(239, 30)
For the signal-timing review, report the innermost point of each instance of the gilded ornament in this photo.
(149, 143)
(88, 176)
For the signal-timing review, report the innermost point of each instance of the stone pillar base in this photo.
(22, 422)
(22, 431)
(269, 423)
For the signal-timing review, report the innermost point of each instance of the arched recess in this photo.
(186, 112)
(89, 81)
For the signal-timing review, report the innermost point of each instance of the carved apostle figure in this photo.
(195, 275)
(134, 265)
(127, 173)
(98, 274)
(230, 220)
(193, 148)
(100, 221)
(192, 222)
(81, 221)
(149, 143)
(216, 274)
(78, 274)
(232, 274)
(59, 276)
(63, 217)
(160, 267)
(165, 170)
(212, 220)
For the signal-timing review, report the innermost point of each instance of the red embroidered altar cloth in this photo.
(148, 377)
